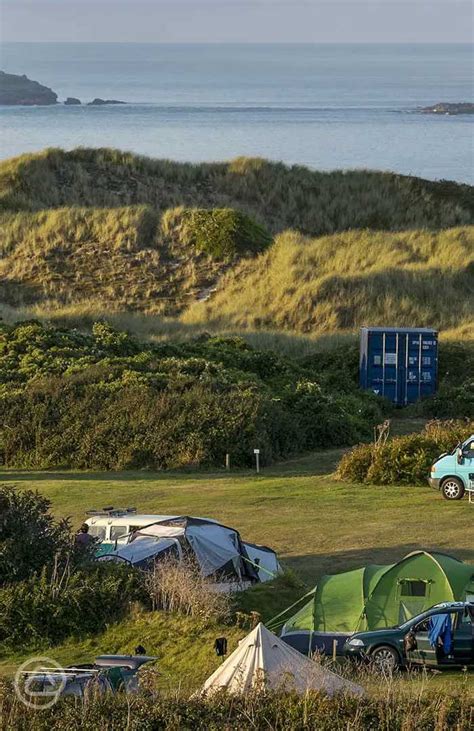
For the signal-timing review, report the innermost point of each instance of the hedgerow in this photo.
(106, 401)
(405, 459)
(254, 711)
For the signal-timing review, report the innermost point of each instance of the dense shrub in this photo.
(455, 397)
(278, 711)
(403, 460)
(30, 539)
(223, 233)
(50, 607)
(107, 401)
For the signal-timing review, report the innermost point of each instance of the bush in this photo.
(223, 233)
(455, 397)
(403, 460)
(30, 539)
(57, 605)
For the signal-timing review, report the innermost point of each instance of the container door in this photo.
(374, 363)
(412, 367)
(429, 364)
(420, 367)
(401, 369)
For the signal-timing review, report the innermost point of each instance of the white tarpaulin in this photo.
(214, 546)
(140, 550)
(263, 661)
(162, 531)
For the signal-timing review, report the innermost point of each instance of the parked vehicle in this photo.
(453, 473)
(107, 674)
(415, 642)
(112, 527)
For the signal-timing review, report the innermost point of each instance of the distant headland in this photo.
(20, 90)
(16, 90)
(449, 108)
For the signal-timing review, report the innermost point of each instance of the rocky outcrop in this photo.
(100, 102)
(20, 90)
(450, 108)
(72, 101)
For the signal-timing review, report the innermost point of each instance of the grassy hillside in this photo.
(344, 281)
(115, 233)
(115, 258)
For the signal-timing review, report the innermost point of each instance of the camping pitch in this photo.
(263, 662)
(375, 597)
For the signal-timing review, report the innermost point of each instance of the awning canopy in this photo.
(218, 549)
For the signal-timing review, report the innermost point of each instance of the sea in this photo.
(324, 106)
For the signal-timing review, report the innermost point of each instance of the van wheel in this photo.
(385, 659)
(452, 489)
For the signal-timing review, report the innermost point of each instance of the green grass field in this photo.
(316, 524)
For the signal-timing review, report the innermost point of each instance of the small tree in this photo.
(30, 538)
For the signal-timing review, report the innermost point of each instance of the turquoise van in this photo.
(453, 473)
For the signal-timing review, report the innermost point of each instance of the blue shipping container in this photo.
(399, 363)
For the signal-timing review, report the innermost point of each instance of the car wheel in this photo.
(385, 659)
(452, 489)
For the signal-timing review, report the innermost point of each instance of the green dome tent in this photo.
(374, 597)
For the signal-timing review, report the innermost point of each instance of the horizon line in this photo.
(248, 43)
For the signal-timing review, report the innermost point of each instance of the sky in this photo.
(267, 21)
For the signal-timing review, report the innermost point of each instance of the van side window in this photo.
(118, 531)
(468, 450)
(413, 588)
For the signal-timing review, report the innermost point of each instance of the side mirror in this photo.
(459, 456)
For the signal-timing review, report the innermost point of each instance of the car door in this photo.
(465, 470)
(423, 653)
(437, 656)
(463, 638)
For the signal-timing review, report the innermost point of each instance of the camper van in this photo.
(112, 527)
(453, 473)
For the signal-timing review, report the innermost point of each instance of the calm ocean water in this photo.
(326, 106)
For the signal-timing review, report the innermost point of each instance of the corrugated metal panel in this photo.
(400, 364)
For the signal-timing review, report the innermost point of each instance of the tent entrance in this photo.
(412, 595)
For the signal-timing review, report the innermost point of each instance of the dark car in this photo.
(410, 643)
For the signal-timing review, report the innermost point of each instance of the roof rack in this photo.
(110, 511)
